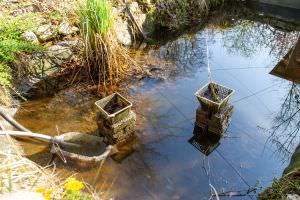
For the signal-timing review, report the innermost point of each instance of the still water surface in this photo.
(165, 165)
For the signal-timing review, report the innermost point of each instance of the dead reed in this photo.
(19, 174)
(105, 59)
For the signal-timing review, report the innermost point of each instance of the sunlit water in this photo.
(165, 165)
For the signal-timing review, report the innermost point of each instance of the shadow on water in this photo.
(164, 165)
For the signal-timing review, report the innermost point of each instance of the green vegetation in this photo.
(281, 188)
(12, 44)
(288, 184)
(175, 14)
(104, 57)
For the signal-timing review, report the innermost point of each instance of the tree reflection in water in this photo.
(187, 53)
(246, 37)
(286, 124)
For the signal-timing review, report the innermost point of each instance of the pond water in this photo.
(164, 164)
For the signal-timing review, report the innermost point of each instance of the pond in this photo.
(164, 164)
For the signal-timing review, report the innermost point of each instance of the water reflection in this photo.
(125, 150)
(186, 53)
(164, 165)
(204, 141)
(286, 123)
(284, 132)
(248, 37)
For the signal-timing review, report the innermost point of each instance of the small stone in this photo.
(59, 53)
(29, 36)
(293, 197)
(45, 32)
(123, 33)
(66, 29)
(134, 7)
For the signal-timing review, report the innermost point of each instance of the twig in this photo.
(135, 22)
(237, 193)
(215, 192)
(210, 86)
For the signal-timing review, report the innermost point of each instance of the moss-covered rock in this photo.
(295, 162)
(288, 186)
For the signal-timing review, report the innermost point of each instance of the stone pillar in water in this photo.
(120, 132)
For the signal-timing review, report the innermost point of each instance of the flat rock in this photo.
(59, 53)
(30, 36)
(66, 29)
(42, 67)
(46, 32)
(123, 32)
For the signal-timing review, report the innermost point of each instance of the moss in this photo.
(281, 187)
(288, 184)
(295, 162)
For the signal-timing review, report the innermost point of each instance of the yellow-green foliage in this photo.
(95, 17)
(282, 187)
(11, 43)
(104, 57)
(72, 190)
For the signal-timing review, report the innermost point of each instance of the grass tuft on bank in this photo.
(105, 59)
(11, 45)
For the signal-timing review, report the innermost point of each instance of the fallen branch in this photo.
(237, 193)
(135, 22)
(215, 192)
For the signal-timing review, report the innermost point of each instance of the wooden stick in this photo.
(210, 86)
(38, 136)
(13, 122)
(41, 137)
(215, 191)
(135, 22)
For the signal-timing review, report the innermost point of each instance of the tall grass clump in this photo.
(105, 59)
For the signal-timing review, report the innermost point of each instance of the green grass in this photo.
(95, 17)
(104, 57)
(11, 43)
(281, 187)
